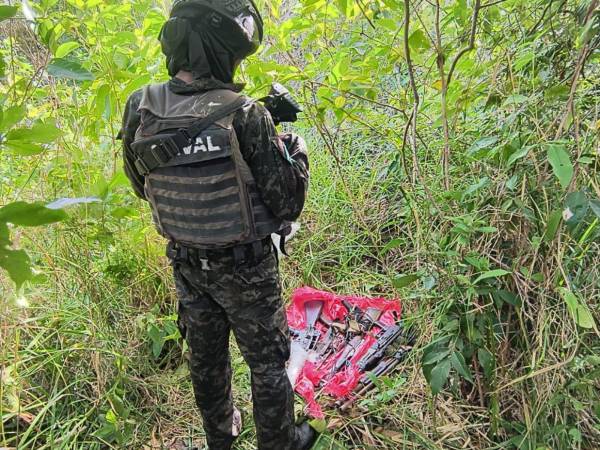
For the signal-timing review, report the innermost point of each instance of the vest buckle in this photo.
(204, 265)
(184, 132)
(141, 167)
(161, 152)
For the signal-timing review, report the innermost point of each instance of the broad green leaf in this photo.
(439, 376)
(6, 12)
(496, 273)
(70, 69)
(418, 40)
(508, 297)
(343, 6)
(460, 365)
(557, 92)
(519, 154)
(561, 164)
(122, 212)
(157, 338)
(487, 361)
(481, 183)
(388, 23)
(327, 441)
(394, 243)
(478, 263)
(570, 299)
(10, 116)
(404, 280)
(394, 4)
(578, 309)
(339, 102)
(30, 214)
(101, 99)
(485, 143)
(429, 282)
(595, 206)
(434, 356)
(4, 235)
(65, 202)
(552, 226)
(17, 264)
(524, 59)
(577, 206)
(584, 317)
(66, 48)
(590, 31)
(340, 69)
(40, 133)
(135, 84)
(24, 148)
(319, 425)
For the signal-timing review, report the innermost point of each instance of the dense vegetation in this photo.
(455, 160)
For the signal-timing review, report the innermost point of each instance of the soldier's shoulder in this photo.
(251, 116)
(135, 97)
(255, 109)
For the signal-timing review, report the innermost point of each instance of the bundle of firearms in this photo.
(361, 342)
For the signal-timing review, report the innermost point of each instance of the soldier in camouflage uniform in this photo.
(225, 266)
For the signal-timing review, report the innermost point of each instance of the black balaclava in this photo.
(190, 45)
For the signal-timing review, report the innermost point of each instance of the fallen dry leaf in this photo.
(26, 417)
(335, 423)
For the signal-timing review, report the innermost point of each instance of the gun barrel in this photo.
(377, 351)
(366, 383)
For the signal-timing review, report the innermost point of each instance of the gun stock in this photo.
(282, 106)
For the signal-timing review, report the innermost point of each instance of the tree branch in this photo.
(415, 91)
(441, 60)
(471, 46)
(584, 53)
(364, 13)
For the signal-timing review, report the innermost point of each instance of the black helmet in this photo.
(237, 24)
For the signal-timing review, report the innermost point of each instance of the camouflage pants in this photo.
(217, 296)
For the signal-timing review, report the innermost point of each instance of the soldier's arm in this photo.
(282, 180)
(131, 121)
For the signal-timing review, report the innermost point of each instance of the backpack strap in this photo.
(158, 150)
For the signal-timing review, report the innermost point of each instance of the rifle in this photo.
(377, 351)
(366, 383)
(281, 104)
(366, 321)
(309, 337)
(347, 353)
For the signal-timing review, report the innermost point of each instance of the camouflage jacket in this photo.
(282, 181)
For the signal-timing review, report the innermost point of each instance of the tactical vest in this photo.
(205, 196)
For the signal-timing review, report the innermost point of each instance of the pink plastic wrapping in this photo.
(317, 376)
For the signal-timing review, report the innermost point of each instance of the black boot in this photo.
(305, 436)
